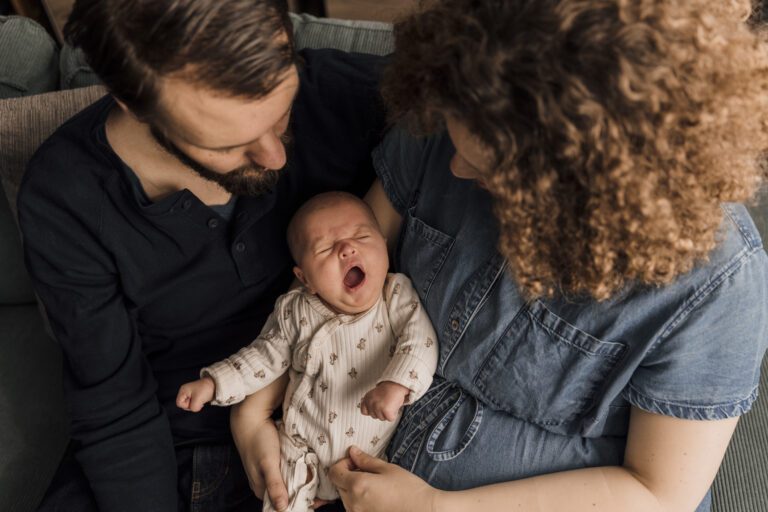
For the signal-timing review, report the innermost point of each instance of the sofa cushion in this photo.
(29, 56)
(24, 124)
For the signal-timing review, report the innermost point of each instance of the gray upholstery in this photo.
(32, 421)
(29, 57)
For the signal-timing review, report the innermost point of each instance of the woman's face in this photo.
(472, 158)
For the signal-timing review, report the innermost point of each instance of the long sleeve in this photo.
(414, 353)
(123, 437)
(255, 366)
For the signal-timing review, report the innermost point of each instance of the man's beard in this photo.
(247, 180)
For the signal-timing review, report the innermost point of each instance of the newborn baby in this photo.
(355, 340)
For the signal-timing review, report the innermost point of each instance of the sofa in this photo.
(42, 85)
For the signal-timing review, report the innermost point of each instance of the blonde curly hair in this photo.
(618, 127)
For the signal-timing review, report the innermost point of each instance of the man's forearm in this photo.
(592, 489)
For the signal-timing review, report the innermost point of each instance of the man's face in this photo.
(235, 142)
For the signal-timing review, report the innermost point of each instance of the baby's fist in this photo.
(384, 401)
(194, 395)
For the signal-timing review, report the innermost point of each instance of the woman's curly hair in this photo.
(617, 126)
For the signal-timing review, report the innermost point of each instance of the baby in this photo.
(355, 340)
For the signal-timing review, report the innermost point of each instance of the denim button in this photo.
(186, 204)
(454, 324)
(213, 223)
(240, 247)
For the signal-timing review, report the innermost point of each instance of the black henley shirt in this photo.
(142, 295)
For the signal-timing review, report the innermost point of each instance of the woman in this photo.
(600, 299)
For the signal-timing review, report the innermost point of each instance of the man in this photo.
(154, 229)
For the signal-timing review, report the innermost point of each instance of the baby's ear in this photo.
(300, 275)
(303, 279)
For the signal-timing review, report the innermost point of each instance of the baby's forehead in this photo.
(337, 213)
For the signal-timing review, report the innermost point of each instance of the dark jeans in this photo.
(211, 479)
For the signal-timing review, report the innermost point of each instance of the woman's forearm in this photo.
(592, 489)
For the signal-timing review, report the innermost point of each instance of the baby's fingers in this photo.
(182, 400)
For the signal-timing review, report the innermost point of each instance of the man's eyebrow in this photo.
(249, 142)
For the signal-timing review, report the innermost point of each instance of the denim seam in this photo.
(745, 234)
(472, 316)
(618, 348)
(700, 412)
(702, 294)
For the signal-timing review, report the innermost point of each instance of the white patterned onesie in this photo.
(333, 360)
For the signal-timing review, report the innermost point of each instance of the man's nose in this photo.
(268, 152)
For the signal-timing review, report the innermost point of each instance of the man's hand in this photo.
(258, 442)
(384, 401)
(194, 395)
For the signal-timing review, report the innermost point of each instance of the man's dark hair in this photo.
(233, 46)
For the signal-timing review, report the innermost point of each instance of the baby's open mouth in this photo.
(355, 276)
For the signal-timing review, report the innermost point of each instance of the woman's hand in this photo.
(257, 441)
(365, 484)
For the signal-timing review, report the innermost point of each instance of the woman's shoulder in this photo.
(403, 158)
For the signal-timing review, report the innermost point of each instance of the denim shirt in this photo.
(528, 388)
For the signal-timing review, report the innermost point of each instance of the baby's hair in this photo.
(319, 202)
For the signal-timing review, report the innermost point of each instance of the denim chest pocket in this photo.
(547, 371)
(425, 249)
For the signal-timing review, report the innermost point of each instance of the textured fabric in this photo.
(742, 482)
(26, 122)
(558, 376)
(351, 36)
(14, 283)
(28, 58)
(33, 425)
(333, 360)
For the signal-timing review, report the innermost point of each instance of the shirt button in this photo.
(454, 324)
(186, 204)
(213, 223)
(240, 247)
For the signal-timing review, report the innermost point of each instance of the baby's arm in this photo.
(194, 395)
(413, 352)
(384, 401)
(249, 370)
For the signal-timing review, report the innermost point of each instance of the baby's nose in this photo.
(347, 250)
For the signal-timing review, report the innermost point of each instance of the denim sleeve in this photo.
(706, 364)
(398, 162)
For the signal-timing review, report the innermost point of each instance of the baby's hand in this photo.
(194, 395)
(384, 401)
